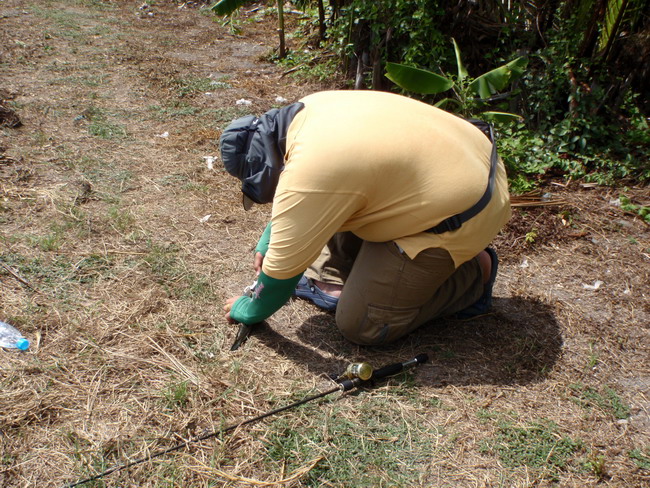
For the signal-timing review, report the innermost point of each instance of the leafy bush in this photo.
(404, 30)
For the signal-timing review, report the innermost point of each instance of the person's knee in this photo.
(374, 325)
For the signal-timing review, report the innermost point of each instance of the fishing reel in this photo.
(355, 371)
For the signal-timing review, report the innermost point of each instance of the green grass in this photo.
(605, 399)
(373, 446)
(194, 85)
(106, 130)
(536, 445)
(46, 274)
(85, 79)
(641, 457)
(212, 117)
(176, 109)
(122, 220)
(47, 242)
(176, 395)
(170, 270)
(107, 179)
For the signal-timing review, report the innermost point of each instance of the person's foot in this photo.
(485, 260)
(308, 290)
(329, 288)
(483, 304)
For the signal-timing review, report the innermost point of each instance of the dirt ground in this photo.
(121, 237)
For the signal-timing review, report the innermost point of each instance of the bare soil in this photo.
(119, 245)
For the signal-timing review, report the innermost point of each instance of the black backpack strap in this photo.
(456, 221)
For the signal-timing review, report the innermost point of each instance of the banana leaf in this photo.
(417, 80)
(462, 72)
(448, 101)
(226, 7)
(496, 80)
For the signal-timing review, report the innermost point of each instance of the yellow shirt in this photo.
(385, 167)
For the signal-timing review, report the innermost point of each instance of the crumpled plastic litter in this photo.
(594, 287)
(209, 160)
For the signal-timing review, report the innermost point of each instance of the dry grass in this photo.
(112, 268)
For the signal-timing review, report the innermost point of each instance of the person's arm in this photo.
(268, 297)
(265, 239)
(261, 249)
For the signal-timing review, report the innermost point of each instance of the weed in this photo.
(197, 288)
(487, 415)
(519, 184)
(176, 109)
(173, 180)
(194, 85)
(49, 242)
(176, 395)
(593, 356)
(608, 400)
(596, 464)
(531, 236)
(121, 220)
(90, 268)
(307, 65)
(640, 459)
(639, 210)
(163, 260)
(172, 272)
(535, 445)
(106, 130)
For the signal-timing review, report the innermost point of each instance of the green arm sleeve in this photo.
(269, 295)
(263, 244)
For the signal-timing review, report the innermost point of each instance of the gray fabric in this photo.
(253, 149)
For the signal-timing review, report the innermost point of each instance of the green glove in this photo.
(268, 297)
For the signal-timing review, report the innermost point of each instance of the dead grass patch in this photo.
(118, 252)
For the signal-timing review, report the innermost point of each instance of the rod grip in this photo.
(393, 369)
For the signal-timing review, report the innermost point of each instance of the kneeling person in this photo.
(384, 203)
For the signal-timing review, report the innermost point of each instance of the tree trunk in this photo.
(283, 51)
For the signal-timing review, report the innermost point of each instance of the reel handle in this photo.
(393, 369)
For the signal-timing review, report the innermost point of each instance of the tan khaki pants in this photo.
(386, 294)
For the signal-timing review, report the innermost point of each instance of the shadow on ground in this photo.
(518, 343)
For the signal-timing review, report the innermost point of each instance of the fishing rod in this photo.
(352, 378)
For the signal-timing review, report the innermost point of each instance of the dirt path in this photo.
(118, 245)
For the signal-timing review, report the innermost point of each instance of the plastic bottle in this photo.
(10, 338)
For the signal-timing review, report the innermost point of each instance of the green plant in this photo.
(535, 445)
(606, 399)
(531, 236)
(641, 457)
(176, 395)
(640, 210)
(376, 447)
(597, 465)
(121, 220)
(470, 94)
(51, 241)
(593, 356)
(101, 126)
(308, 64)
(228, 7)
(194, 85)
